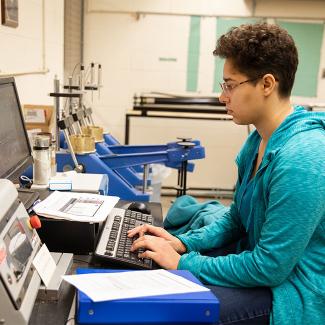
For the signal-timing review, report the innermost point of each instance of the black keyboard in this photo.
(114, 244)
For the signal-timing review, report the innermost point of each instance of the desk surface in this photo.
(57, 313)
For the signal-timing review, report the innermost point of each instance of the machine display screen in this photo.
(14, 146)
(18, 248)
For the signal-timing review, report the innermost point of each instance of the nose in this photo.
(223, 98)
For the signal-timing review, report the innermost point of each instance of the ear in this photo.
(268, 84)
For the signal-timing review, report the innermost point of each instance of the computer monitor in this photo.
(15, 150)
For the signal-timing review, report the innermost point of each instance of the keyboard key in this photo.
(110, 247)
(119, 244)
(133, 257)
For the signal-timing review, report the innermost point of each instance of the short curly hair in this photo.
(261, 48)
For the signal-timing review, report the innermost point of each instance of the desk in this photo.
(56, 313)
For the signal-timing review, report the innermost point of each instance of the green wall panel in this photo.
(193, 55)
(308, 38)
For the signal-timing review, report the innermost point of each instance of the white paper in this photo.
(34, 115)
(73, 206)
(122, 285)
(44, 264)
(88, 183)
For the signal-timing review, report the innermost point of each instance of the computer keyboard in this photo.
(114, 244)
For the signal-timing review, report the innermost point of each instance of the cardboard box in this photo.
(39, 117)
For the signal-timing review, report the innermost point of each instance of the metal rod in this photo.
(92, 78)
(57, 113)
(184, 176)
(145, 177)
(81, 84)
(73, 156)
(127, 129)
(178, 192)
(99, 81)
(71, 130)
(91, 120)
(77, 124)
(180, 181)
(70, 91)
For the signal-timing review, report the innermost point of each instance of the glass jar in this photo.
(52, 151)
(42, 160)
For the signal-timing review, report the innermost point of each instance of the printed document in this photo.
(44, 264)
(73, 206)
(132, 284)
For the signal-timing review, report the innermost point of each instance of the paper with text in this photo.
(123, 285)
(44, 264)
(73, 206)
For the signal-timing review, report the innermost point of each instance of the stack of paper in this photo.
(123, 285)
(73, 206)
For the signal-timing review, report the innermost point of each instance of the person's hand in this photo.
(158, 232)
(158, 249)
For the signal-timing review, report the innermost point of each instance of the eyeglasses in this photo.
(228, 88)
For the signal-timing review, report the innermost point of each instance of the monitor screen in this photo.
(15, 151)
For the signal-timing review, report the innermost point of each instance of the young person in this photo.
(277, 274)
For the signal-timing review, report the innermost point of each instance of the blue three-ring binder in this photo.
(189, 308)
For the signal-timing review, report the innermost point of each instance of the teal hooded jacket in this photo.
(288, 219)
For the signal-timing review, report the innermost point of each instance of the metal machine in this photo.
(120, 163)
(19, 243)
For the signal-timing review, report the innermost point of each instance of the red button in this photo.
(35, 222)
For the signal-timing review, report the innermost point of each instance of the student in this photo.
(279, 204)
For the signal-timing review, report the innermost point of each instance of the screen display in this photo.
(14, 146)
(18, 249)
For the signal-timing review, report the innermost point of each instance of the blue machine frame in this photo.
(112, 165)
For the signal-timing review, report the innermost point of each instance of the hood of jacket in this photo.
(299, 121)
